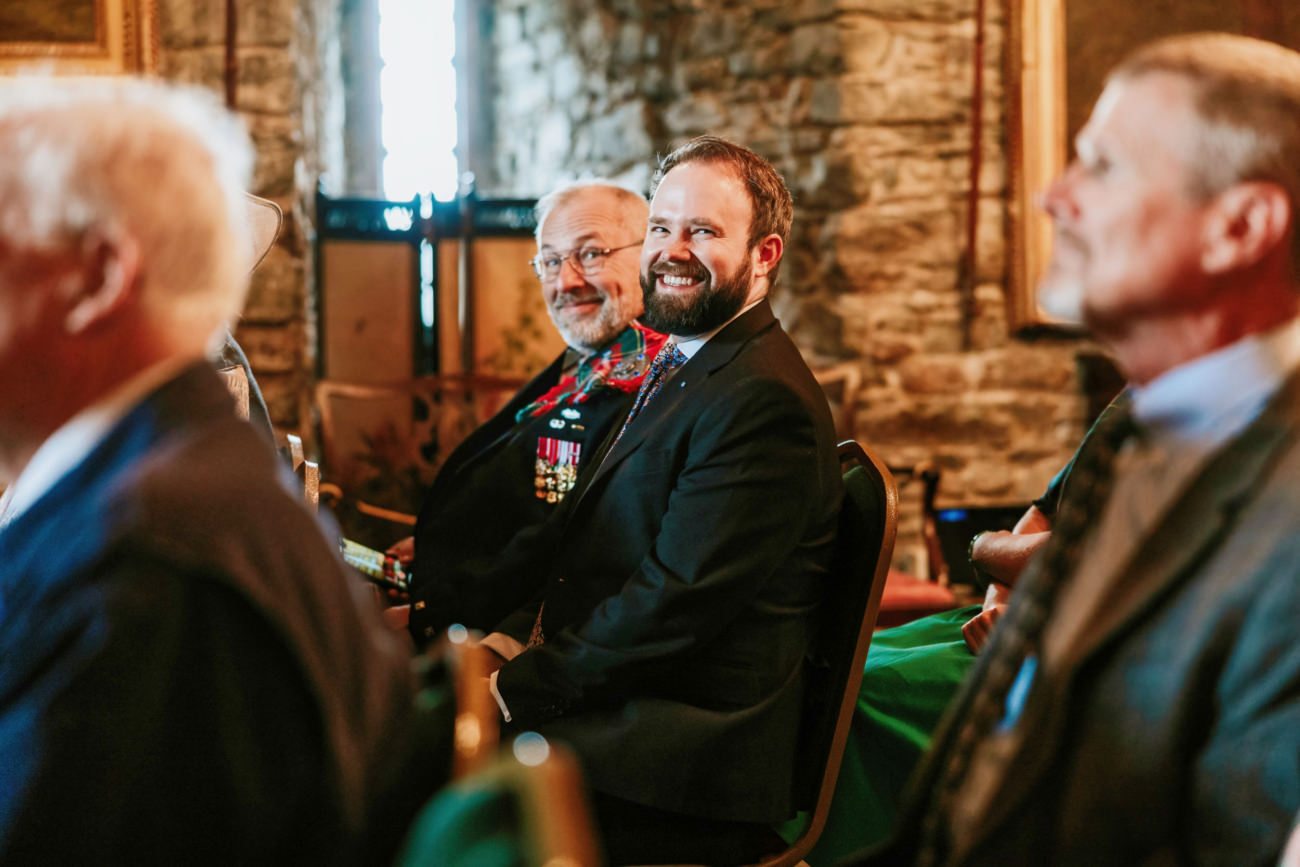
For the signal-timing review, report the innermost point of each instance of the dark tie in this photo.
(669, 359)
(1020, 636)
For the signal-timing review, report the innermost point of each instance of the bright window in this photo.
(417, 86)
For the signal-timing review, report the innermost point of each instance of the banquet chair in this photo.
(524, 809)
(867, 527)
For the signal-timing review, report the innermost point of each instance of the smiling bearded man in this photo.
(681, 576)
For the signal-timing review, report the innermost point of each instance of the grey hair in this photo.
(163, 165)
(1247, 99)
(632, 210)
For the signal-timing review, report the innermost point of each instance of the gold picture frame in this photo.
(78, 37)
(1037, 144)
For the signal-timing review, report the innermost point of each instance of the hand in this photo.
(403, 550)
(977, 630)
(397, 617)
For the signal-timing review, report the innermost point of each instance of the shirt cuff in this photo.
(502, 645)
(501, 702)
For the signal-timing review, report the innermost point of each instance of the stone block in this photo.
(191, 23)
(620, 135)
(816, 49)
(939, 374)
(988, 328)
(267, 22)
(856, 98)
(285, 394)
(991, 240)
(566, 79)
(267, 81)
(595, 38)
(930, 11)
(706, 73)
(630, 44)
(935, 421)
(866, 43)
(714, 33)
(768, 57)
(815, 324)
(696, 114)
(1024, 368)
(199, 66)
(279, 146)
(271, 348)
(800, 11)
(277, 291)
(874, 238)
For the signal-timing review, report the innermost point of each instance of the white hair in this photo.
(128, 158)
(632, 210)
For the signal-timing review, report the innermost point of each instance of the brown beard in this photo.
(712, 305)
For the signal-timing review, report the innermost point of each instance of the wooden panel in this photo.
(367, 310)
(513, 335)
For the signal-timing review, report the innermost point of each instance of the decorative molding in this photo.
(125, 41)
(1036, 138)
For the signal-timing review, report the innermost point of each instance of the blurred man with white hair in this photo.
(185, 673)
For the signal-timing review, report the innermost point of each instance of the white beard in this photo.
(1061, 299)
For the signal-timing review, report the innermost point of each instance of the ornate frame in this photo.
(126, 40)
(1036, 140)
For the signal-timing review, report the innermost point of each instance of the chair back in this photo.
(478, 720)
(867, 526)
(236, 380)
(522, 810)
(384, 442)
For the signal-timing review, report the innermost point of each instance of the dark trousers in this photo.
(636, 834)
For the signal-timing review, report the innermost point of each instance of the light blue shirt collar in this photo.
(1211, 399)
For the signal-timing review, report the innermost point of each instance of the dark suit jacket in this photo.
(186, 674)
(482, 496)
(681, 586)
(1171, 733)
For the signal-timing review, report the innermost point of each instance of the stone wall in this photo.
(865, 106)
(288, 93)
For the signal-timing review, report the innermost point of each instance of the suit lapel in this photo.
(713, 355)
(1185, 538)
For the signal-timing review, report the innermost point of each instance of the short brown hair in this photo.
(1247, 97)
(770, 199)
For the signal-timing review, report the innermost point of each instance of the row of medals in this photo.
(553, 481)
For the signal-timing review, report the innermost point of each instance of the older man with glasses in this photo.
(511, 473)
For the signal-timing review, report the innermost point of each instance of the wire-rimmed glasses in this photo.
(587, 260)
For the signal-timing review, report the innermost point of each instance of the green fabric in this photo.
(466, 825)
(912, 672)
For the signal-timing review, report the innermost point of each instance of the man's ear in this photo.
(107, 282)
(766, 254)
(1248, 222)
